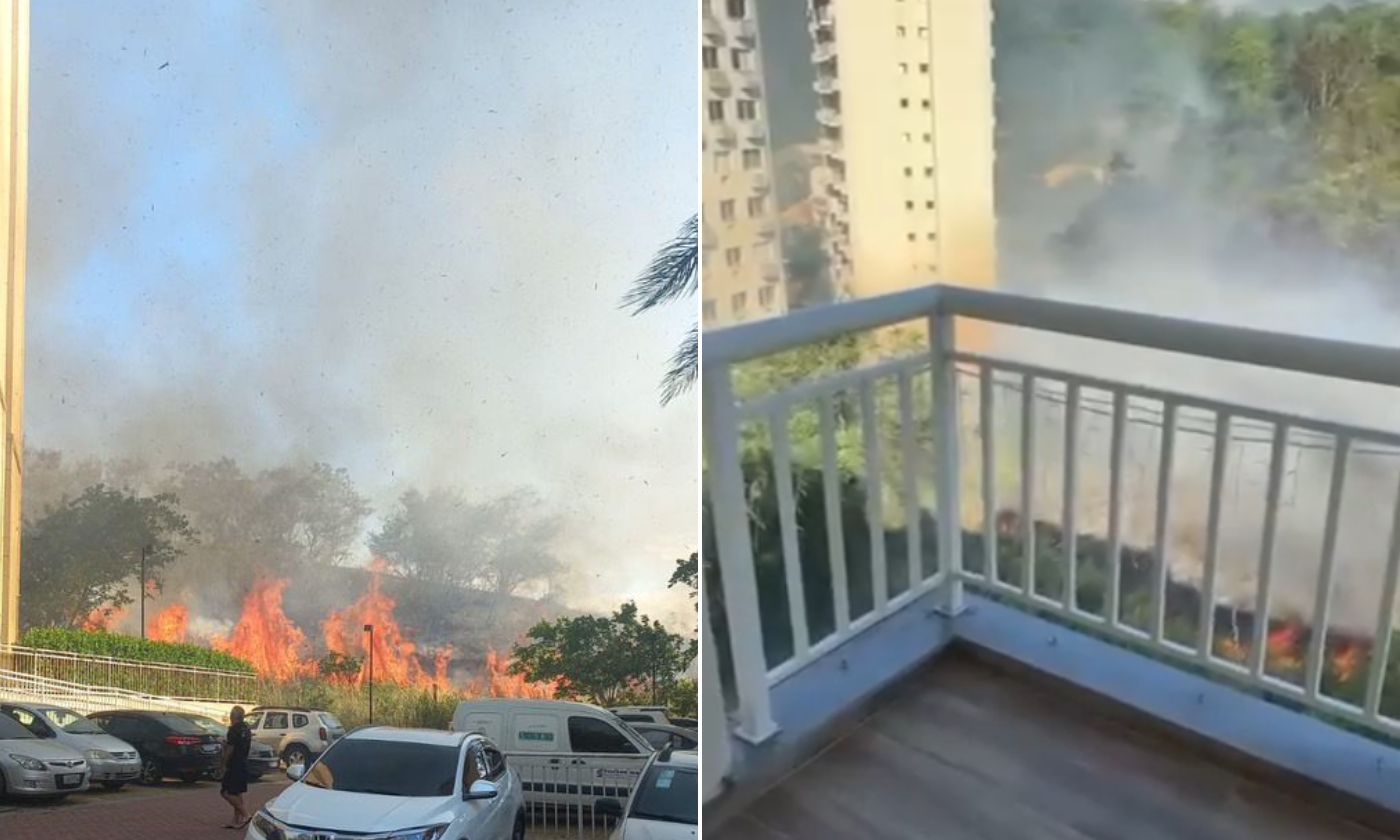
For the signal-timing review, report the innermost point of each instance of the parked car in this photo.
(34, 766)
(416, 784)
(262, 759)
(665, 805)
(662, 736)
(111, 761)
(643, 714)
(566, 753)
(296, 734)
(169, 745)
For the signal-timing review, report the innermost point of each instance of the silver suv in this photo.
(297, 735)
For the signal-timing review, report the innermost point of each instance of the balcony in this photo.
(823, 52)
(829, 117)
(718, 81)
(1035, 644)
(713, 30)
(723, 134)
(748, 32)
(827, 85)
(760, 183)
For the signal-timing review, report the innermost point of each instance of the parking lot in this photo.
(136, 812)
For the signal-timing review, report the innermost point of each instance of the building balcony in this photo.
(713, 30)
(760, 183)
(830, 117)
(723, 134)
(827, 85)
(823, 52)
(747, 32)
(821, 18)
(1050, 645)
(717, 81)
(756, 131)
(751, 83)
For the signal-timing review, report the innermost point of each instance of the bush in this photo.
(132, 648)
(394, 705)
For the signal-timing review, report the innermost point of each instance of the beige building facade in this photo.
(742, 267)
(14, 135)
(906, 119)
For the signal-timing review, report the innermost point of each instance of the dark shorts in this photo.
(235, 781)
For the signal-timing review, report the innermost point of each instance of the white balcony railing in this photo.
(1029, 542)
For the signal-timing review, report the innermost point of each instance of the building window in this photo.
(928, 138)
(739, 59)
(904, 67)
(716, 109)
(925, 104)
(722, 163)
(923, 31)
(748, 109)
(765, 297)
(899, 31)
(735, 8)
(753, 158)
(709, 58)
(931, 237)
(909, 172)
(913, 236)
(726, 210)
(923, 68)
(709, 310)
(737, 301)
(928, 205)
(904, 103)
(732, 257)
(928, 171)
(755, 206)
(908, 205)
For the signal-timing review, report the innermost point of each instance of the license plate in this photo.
(210, 748)
(70, 780)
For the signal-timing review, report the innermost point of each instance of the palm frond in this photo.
(685, 366)
(672, 274)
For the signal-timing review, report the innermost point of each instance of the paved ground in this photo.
(174, 810)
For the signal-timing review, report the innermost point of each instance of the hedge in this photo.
(130, 647)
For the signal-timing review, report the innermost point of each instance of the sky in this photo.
(389, 236)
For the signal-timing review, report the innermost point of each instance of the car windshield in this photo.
(13, 730)
(330, 720)
(391, 768)
(209, 725)
(668, 794)
(71, 722)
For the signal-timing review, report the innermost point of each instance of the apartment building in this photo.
(742, 272)
(906, 123)
(14, 129)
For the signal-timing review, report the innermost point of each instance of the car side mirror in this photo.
(296, 771)
(608, 808)
(481, 789)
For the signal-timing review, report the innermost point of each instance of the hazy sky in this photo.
(391, 236)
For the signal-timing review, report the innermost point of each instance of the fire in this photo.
(501, 683)
(395, 657)
(442, 667)
(1283, 647)
(1347, 661)
(265, 637)
(171, 624)
(103, 619)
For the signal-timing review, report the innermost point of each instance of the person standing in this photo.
(236, 746)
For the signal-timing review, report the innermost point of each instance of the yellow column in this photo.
(14, 182)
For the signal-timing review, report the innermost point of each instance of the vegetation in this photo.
(605, 659)
(673, 274)
(129, 647)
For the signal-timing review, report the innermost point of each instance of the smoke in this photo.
(1160, 240)
(391, 241)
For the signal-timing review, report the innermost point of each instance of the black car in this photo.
(262, 759)
(169, 744)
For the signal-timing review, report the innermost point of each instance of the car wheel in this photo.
(217, 774)
(2, 785)
(114, 785)
(150, 772)
(296, 754)
(518, 833)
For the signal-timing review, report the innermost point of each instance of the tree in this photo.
(603, 659)
(519, 542)
(86, 553)
(687, 574)
(672, 275)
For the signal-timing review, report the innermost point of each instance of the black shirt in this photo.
(240, 740)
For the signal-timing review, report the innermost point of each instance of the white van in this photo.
(566, 753)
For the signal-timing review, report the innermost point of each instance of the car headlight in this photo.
(98, 755)
(431, 832)
(274, 829)
(267, 826)
(26, 762)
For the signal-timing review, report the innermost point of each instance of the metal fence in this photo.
(59, 676)
(561, 802)
(973, 470)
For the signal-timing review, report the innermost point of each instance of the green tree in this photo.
(670, 276)
(687, 574)
(605, 658)
(86, 553)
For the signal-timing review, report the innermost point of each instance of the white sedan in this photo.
(399, 784)
(665, 804)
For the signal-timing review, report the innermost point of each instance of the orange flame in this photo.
(265, 637)
(103, 619)
(501, 683)
(395, 659)
(1283, 647)
(1347, 662)
(171, 624)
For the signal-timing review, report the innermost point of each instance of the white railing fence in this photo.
(61, 676)
(560, 801)
(1258, 545)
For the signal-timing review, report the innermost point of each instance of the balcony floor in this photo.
(967, 748)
